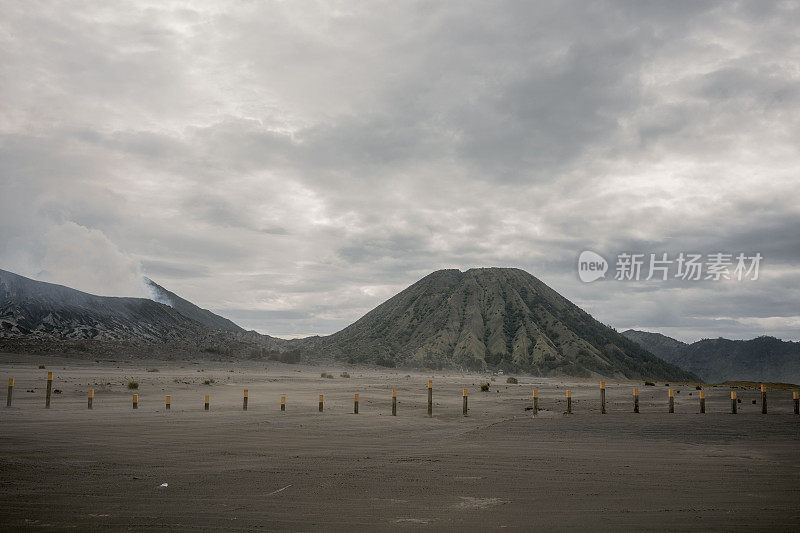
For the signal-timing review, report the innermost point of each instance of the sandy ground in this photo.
(498, 468)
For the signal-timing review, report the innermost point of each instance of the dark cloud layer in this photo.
(291, 165)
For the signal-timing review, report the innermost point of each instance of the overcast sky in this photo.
(291, 165)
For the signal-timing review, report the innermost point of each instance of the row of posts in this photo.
(464, 394)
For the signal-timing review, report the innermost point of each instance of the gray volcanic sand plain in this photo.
(498, 468)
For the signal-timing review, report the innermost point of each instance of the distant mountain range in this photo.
(716, 360)
(481, 319)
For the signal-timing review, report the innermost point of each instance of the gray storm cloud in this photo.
(291, 165)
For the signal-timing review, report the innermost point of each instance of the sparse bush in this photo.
(511, 380)
(41, 367)
(208, 381)
(754, 402)
(344, 375)
(176, 380)
(329, 376)
(649, 384)
(666, 384)
(133, 385)
(492, 379)
(484, 387)
(323, 374)
(152, 370)
(698, 387)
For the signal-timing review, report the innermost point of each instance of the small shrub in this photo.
(176, 380)
(511, 380)
(152, 370)
(754, 402)
(41, 367)
(666, 384)
(649, 384)
(208, 381)
(492, 379)
(344, 375)
(698, 388)
(323, 375)
(484, 387)
(133, 385)
(329, 376)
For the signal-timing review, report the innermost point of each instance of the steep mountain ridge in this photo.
(190, 310)
(29, 307)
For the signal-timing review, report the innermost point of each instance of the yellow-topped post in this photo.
(430, 397)
(702, 402)
(394, 402)
(535, 401)
(464, 396)
(355, 404)
(207, 403)
(671, 401)
(569, 402)
(90, 398)
(320, 403)
(168, 402)
(49, 390)
(135, 401)
(763, 399)
(636, 399)
(244, 401)
(733, 402)
(10, 391)
(283, 403)
(603, 397)
(796, 398)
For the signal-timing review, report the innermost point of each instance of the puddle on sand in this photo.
(412, 521)
(468, 502)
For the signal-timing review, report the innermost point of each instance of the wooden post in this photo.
(135, 401)
(244, 401)
(763, 399)
(702, 402)
(49, 390)
(430, 397)
(10, 391)
(320, 403)
(464, 396)
(91, 398)
(636, 399)
(671, 401)
(283, 403)
(603, 397)
(394, 402)
(733, 402)
(168, 404)
(355, 404)
(208, 398)
(569, 402)
(796, 397)
(535, 402)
